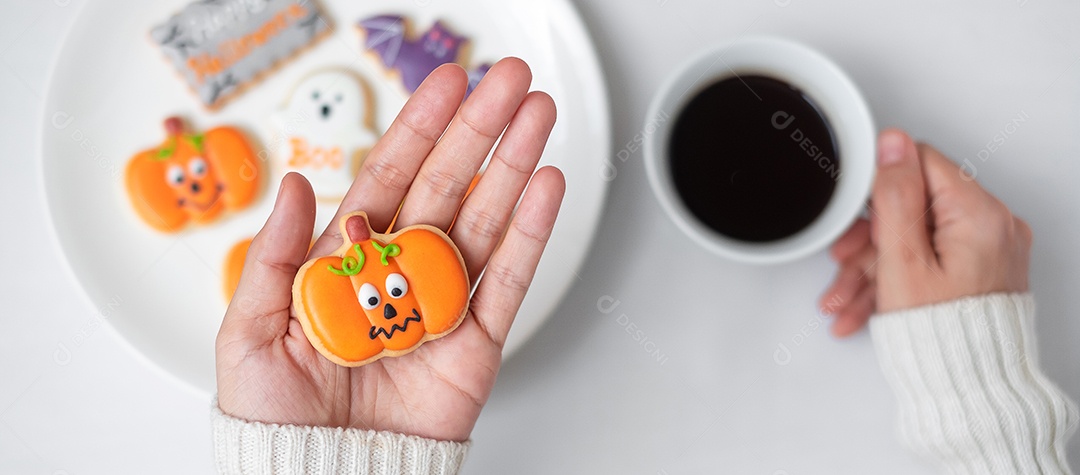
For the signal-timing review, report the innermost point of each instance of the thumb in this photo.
(899, 205)
(260, 306)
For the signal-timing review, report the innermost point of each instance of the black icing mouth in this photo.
(326, 110)
(184, 203)
(375, 331)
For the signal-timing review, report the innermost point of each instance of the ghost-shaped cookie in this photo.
(326, 131)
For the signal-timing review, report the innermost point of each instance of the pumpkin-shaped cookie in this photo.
(381, 294)
(192, 177)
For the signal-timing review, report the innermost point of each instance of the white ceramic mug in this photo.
(831, 91)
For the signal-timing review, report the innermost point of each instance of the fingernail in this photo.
(891, 149)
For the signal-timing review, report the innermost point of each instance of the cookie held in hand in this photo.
(381, 294)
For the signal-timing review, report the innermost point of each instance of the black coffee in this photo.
(753, 158)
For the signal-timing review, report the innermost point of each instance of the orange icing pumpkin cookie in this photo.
(381, 294)
(192, 177)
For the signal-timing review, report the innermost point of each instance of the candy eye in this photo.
(197, 167)
(338, 98)
(396, 286)
(174, 175)
(368, 296)
(314, 95)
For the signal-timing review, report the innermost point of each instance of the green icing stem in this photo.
(167, 152)
(349, 265)
(196, 141)
(390, 250)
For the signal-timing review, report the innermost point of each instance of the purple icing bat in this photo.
(417, 58)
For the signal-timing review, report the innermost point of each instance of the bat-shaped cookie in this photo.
(414, 59)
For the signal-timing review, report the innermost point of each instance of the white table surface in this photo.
(585, 395)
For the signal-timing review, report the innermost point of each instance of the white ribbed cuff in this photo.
(243, 447)
(970, 393)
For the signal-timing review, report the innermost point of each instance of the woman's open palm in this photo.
(268, 371)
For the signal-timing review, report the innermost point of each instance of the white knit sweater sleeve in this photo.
(243, 447)
(970, 393)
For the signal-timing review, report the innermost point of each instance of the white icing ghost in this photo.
(325, 133)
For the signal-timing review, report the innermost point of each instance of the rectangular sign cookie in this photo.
(222, 46)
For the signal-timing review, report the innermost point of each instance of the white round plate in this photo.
(110, 89)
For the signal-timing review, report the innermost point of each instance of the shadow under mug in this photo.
(839, 101)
